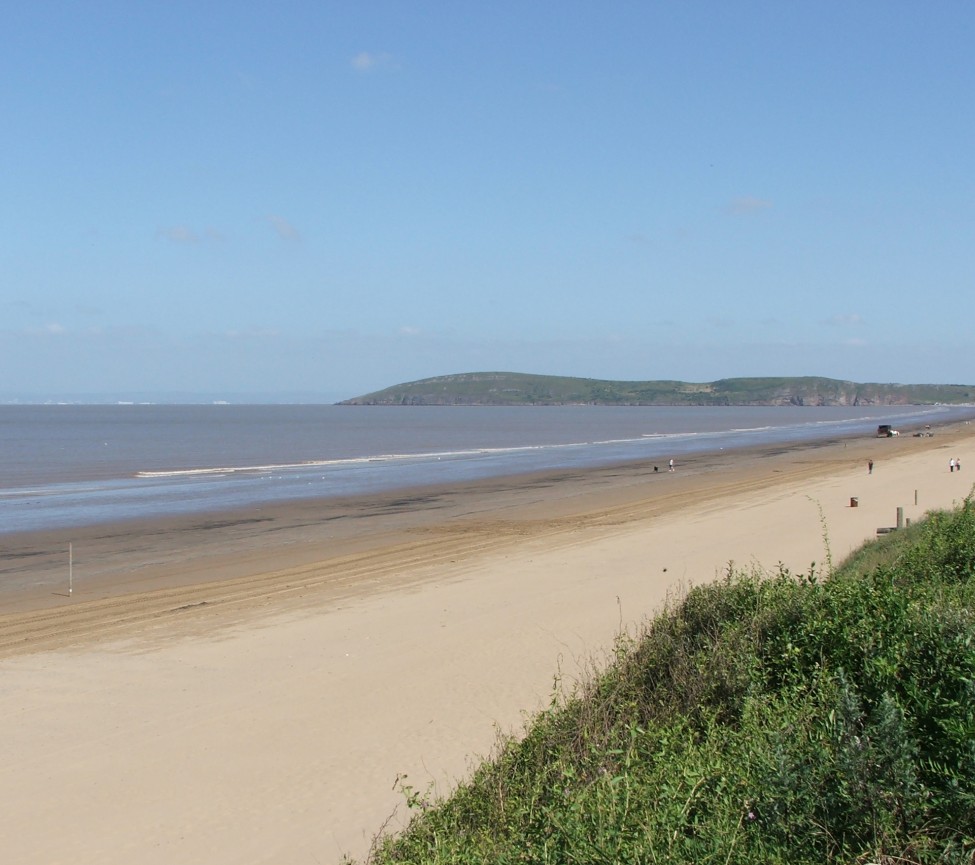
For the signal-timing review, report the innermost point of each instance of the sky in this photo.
(314, 200)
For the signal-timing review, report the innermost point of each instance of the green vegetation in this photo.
(775, 718)
(511, 388)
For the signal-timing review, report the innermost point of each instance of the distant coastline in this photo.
(513, 388)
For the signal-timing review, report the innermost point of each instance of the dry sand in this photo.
(247, 688)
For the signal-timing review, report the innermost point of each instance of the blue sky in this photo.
(272, 199)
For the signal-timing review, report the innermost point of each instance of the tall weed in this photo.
(766, 718)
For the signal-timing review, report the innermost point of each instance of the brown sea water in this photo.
(68, 465)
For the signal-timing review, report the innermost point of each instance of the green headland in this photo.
(514, 388)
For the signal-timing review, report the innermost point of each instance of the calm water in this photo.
(66, 466)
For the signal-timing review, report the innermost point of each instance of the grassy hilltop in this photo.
(512, 388)
(815, 718)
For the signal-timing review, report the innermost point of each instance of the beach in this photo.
(255, 686)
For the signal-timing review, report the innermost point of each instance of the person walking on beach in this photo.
(957, 464)
(869, 467)
(951, 464)
(671, 465)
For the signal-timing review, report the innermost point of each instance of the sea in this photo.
(64, 466)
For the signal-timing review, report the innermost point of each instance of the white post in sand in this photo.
(70, 570)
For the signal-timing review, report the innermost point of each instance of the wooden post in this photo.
(900, 518)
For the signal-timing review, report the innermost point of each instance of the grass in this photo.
(766, 718)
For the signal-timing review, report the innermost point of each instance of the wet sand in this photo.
(246, 687)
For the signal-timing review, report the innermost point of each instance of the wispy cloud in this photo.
(846, 320)
(21, 305)
(285, 230)
(253, 333)
(548, 87)
(52, 328)
(721, 321)
(749, 204)
(178, 234)
(368, 61)
(410, 330)
(250, 83)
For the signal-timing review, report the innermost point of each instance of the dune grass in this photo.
(765, 718)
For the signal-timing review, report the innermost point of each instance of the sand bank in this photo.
(248, 687)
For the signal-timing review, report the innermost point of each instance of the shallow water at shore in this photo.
(64, 466)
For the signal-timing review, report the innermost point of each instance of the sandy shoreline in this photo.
(246, 687)
(120, 558)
